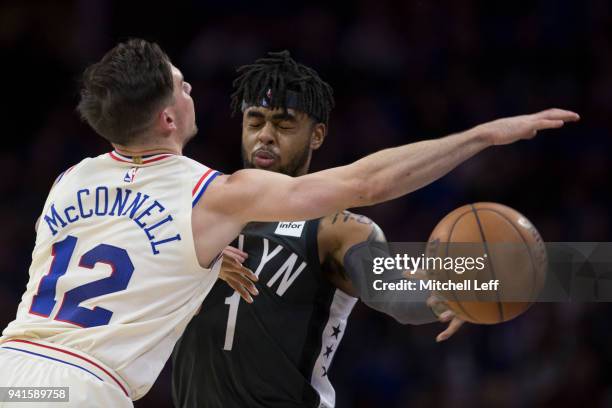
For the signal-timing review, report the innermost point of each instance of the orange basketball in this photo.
(511, 252)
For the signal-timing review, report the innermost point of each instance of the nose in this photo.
(266, 135)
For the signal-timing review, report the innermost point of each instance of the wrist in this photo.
(482, 135)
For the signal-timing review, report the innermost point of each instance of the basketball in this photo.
(510, 251)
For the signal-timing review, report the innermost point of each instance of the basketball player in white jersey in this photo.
(128, 242)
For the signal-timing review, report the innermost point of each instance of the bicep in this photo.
(345, 237)
(258, 195)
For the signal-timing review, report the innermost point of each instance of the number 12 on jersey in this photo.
(43, 302)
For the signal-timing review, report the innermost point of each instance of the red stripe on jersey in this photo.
(146, 161)
(200, 181)
(77, 356)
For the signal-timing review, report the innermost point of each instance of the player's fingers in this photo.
(241, 270)
(248, 284)
(238, 252)
(452, 328)
(235, 253)
(249, 274)
(549, 124)
(229, 260)
(438, 306)
(234, 284)
(244, 294)
(559, 114)
(435, 300)
(235, 264)
(228, 267)
(228, 250)
(446, 316)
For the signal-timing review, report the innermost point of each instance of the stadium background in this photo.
(402, 71)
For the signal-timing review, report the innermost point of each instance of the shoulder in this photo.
(73, 169)
(191, 165)
(241, 187)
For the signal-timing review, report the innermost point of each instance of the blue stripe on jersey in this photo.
(59, 177)
(197, 198)
(62, 174)
(54, 359)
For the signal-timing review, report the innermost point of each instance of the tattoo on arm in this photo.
(349, 216)
(335, 218)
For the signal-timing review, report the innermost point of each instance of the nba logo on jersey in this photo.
(130, 175)
(290, 229)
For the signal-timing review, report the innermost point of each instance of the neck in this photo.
(146, 150)
(305, 168)
(302, 172)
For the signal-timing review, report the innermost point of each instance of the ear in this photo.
(166, 120)
(319, 131)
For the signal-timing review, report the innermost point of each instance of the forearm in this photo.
(397, 171)
(405, 306)
(413, 310)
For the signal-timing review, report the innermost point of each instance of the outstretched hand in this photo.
(508, 130)
(445, 315)
(439, 308)
(236, 275)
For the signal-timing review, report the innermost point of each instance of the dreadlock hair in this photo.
(269, 79)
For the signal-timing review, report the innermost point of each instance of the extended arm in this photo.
(255, 195)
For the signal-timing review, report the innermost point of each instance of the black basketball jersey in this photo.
(275, 352)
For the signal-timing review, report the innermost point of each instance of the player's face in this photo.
(276, 140)
(183, 106)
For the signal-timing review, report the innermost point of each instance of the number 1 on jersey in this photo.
(233, 302)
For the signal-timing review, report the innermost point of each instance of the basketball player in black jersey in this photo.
(277, 350)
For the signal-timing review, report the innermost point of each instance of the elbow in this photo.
(370, 191)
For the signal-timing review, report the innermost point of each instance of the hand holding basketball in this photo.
(445, 315)
(440, 308)
(509, 130)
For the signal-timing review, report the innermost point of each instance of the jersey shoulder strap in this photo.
(201, 176)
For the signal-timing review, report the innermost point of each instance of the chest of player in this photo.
(285, 258)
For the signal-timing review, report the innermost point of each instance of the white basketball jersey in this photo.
(114, 270)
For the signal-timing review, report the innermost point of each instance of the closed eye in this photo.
(285, 125)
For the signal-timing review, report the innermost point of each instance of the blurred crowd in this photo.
(402, 71)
